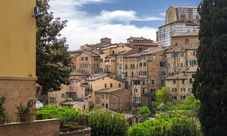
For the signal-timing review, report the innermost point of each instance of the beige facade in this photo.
(113, 98)
(98, 82)
(180, 58)
(74, 91)
(108, 57)
(87, 62)
(180, 85)
(185, 39)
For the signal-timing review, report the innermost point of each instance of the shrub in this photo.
(107, 123)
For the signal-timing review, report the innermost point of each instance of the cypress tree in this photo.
(210, 80)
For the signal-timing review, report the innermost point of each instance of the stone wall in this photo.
(48, 127)
(16, 90)
(86, 132)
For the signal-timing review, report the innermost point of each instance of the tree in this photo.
(145, 112)
(52, 58)
(162, 96)
(210, 80)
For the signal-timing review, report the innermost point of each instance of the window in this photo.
(82, 58)
(160, 57)
(174, 97)
(186, 40)
(111, 85)
(126, 74)
(71, 88)
(182, 55)
(101, 60)
(190, 80)
(135, 91)
(105, 85)
(162, 64)
(182, 64)
(106, 96)
(95, 58)
(119, 85)
(144, 64)
(174, 89)
(62, 95)
(95, 65)
(174, 81)
(154, 57)
(152, 90)
(141, 64)
(182, 89)
(144, 73)
(170, 17)
(163, 73)
(132, 65)
(189, 90)
(182, 97)
(143, 82)
(162, 82)
(140, 49)
(86, 58)
(194, 53)
(182, 81)
(126, 66)
(132, 74)
(140, 73)
(152, 82)
(175, 54)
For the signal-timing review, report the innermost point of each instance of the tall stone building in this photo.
(179, 20)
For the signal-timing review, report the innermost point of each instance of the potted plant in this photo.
(25, 112)
(3, 114)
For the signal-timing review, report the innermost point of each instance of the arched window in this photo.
(170, 17)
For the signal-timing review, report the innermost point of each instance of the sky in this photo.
(91, 20)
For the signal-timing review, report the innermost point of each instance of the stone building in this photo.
(113, 98)
(179, 20)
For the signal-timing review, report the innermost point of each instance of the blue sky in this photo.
(90, 20)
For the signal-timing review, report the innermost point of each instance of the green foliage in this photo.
(25, 112)
(107, 123)
(52, 58)
(162, 96)
(210, 80)
(144, 111)
(3, 114)
(67, 115)
(165, 125)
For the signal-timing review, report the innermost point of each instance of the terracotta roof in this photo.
(134, 55)
(153, 50)
(78, 73)
(92, 54)
(97, 76)
(192, 70)
(137, 38)
(177, 76)
(181, 48)
(108, 90)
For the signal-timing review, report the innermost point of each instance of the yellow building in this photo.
(17, 53)
(190, 38)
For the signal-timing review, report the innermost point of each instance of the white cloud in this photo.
(83, 28)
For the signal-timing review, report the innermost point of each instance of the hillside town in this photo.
(126, 75)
